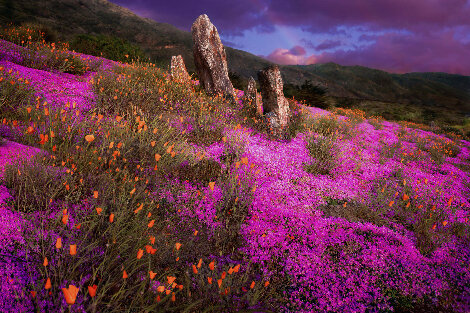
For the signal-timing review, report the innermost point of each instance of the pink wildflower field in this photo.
(178, 201)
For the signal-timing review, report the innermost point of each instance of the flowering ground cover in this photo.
(139, 193)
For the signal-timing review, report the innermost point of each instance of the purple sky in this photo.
(394, 35)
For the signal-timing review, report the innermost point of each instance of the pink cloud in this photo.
(394, 52)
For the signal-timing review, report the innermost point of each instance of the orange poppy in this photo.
(124, 274)
(111, 217)
(73, 249)
(177, 246)
(199, 263)
(219, 282)
(95, 194)
(46, 262)
(252, 285)
(152, 240)
(211, 265)
(161, 288)
(58, 243)
(209, 279)
(65, 219)
(92, 290)
(152, 275)
(140, 253)
(150, 224)
(157, 157)
(89, 138)
(99, 210)
(48, 284)
(70, 294)
(170, 279)
(211, 185)
(236, 268)
(194, 269)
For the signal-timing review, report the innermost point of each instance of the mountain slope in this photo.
(425, 92)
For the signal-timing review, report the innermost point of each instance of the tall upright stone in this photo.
(251, 96)
(210, 58)
(275, 105)
(178, 69)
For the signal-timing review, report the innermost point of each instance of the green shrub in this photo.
(15, 95)
(109, 47)
(324, 153)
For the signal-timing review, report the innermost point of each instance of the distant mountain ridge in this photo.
(428, 91)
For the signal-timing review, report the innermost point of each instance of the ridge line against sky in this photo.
(398, 36)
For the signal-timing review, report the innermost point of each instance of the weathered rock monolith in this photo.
(251, 96)
(178, 69)
(210, 58)
(275, 105)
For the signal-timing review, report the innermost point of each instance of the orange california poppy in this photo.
(150, 224)
(65, 219)
(252, 285)
(236, 268)
(89, 138)
(170, 279)
(152, 274)
(99, 210)
(92, 290)
(173, 297)
(211, 185)
(140, 253)
(48, 284)
(58, 243)
(209, 279)
(70, 294)
(199, 263)
(194, 269)
(219, 282)
(157, 157)
(95, 194)
(152, 240)
(266, 284)
(177, 246)
(111, 217)
(73, 249)
(211, 265)
(46, 262)
(161, 288)
(124, 274)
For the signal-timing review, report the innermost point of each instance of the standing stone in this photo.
(275, 105)
(178, 69)
(251, 96)
(210, 58)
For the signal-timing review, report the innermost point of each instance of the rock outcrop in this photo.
(210, 58)
(251, 96)
(178, 69)
(275, 105)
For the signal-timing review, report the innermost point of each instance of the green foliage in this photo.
(109, 47)
(46, 59)
(308, 93)
(33, 185)
(15, 95)
(28, 33)
(324, 154)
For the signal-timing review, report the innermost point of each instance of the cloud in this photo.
(396, 35)
(328, 44)
(395, 52)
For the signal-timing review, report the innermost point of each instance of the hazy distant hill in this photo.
(426, 95)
